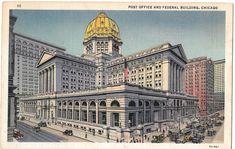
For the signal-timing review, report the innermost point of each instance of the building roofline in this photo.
(40, 41)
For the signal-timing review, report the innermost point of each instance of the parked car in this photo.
(196, 140)
(17, 134)
(211, 132)
(174, 134)
(36, 128)
(68, 132)
(22, 118)
(180, 141)
(158, 138)
(42, 124)
(201, 129)
(218, 123)
(200, 135)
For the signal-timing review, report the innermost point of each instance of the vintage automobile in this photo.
(186, 131)
(200, 135)
(180, 141)
(68, 132)
(174, 134)
(188, 138)
(221, 118)
(201, 129)
(42, 124)
(36, 128)
(218, 123)
(196, 140)
(158, 138)
(211, 132)
(17, 134)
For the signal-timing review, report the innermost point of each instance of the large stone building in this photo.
(105, 92)
(199, 81)
(219, 84)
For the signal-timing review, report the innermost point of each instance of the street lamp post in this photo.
(142, 132)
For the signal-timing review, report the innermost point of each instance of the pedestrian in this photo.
(145, 136)
(117, 140)
(86, 135)
(148, 138)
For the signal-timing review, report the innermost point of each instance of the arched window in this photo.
(115, 103)
(103, 103)
(140, 103)
(92, 103)
(156, 104)
(131, 104)
(76, 103)
(64, 103)
(146, 103)
(70, 103)
(84, 103)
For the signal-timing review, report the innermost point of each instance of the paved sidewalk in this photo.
(76, 132)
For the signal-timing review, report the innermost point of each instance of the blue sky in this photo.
(202, 33)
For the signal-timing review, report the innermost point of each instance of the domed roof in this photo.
(102, 26)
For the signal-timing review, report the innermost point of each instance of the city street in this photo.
(44, 135)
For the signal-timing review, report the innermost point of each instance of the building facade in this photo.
(107, 93)
(219, 84)
(116, 111)
(199, 81)
(11, 96)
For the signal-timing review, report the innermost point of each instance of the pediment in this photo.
(180, 52)
(45, 56)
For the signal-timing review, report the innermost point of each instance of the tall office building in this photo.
(27, 53)
(219, 84)
(199, 81)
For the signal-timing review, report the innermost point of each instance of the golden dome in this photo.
(102, 26)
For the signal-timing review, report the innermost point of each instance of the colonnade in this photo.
(176, 77)
(47, 80)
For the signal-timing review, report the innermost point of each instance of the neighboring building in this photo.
(219, 84)
(27, 53)
(11, 96)
(199, 81)
(107, 93)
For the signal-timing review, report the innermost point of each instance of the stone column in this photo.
(43, 76)
(80, 111)
(182, 78)
(180, 74)
(151, 111)
(49, 80)
(137, 118)
(39, 81)
(87, 111)
(97, 111)
(61, 108)
(144, 111)
(161, 112)
(66, 113)
(174, 84)
(44, 81)
(171, 75)
(177, 78)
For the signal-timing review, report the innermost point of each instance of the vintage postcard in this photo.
(116, 75)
